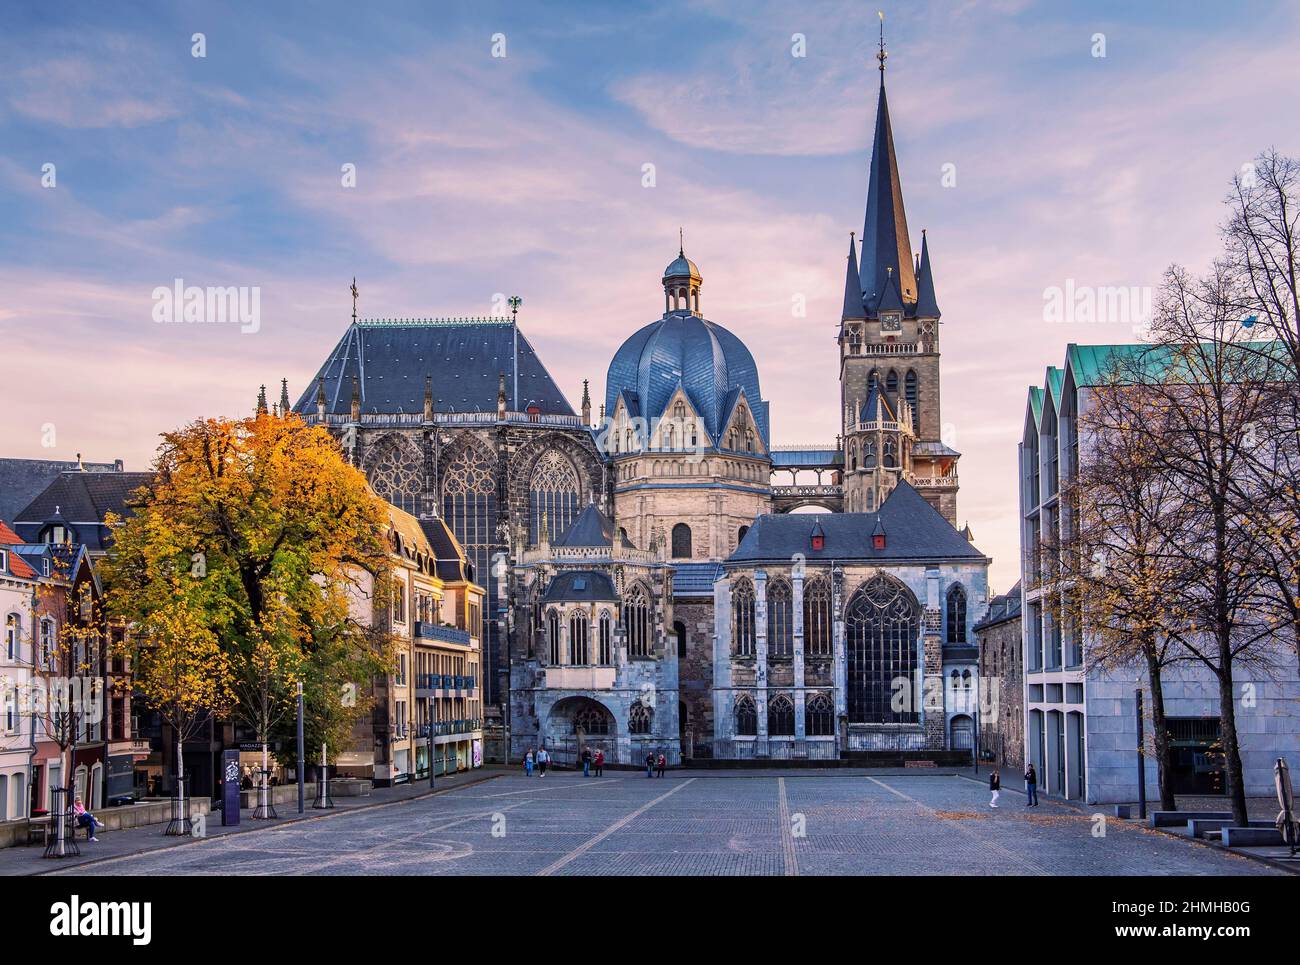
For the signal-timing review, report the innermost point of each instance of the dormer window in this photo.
(56, 535)
(878, 541)
(818, 538)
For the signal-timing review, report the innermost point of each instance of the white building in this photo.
(17, 591)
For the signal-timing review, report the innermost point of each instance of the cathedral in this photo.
(653, 584)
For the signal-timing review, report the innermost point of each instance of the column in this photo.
(760, 657)
(724, 718)
(932, 690)
(841, 659)
(796, 604)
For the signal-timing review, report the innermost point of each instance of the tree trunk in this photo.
(1228, 737)
(1160, 731)
(180, 778)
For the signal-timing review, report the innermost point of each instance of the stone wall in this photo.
(1002, 724)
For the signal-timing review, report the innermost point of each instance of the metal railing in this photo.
(776, 749)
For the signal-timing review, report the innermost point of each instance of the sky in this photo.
(1034, 163)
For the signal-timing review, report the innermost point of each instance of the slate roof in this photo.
(465, 359)
(580, 586)
(927, 306)
(695, 579)
(915, 532)
(885, 243)
(852, 287)
(806, 457)
(1002, 609)
(707, 360)
(21, 480)
(17, 565)
(452, 564)
(590, 528)
(82, 499)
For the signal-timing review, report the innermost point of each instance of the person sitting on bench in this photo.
(85, 819)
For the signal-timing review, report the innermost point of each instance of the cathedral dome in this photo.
(712, 366)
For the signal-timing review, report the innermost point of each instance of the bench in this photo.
(38, 831)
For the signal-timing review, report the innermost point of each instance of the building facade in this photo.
(1002, 683)
(18, 594)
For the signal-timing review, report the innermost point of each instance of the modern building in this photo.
(1080, 722)
(1002, 683)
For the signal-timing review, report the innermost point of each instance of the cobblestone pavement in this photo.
(810, 823)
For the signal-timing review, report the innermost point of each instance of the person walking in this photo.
(543, 758)
(528, 763)
(586, 762)
(600, 763)
(663, 763)
(1031, 787)
(995, 788)
(650, 764)
(85, 819)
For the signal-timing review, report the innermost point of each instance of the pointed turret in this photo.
(586, 404)
(428, 398)
(852, 285)
(885, 243)
(320, 399)
(926, 304)
(284, 398)
(355, 411)
(261, 401)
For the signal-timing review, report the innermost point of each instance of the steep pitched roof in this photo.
(917, 532)
(1002, 609)
(852, 287)
(391, 361)
(885, 243)
(21, 480)
(82, 499)
(927, 306)
(17, 565)
(591, 528)
(452, 565)
(580, 586)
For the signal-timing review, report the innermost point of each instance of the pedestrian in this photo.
(663, 763)
(600, 763)
(528, 763)
(85, 819)
(650, 764)
(586, 762)
(1031, 787)
(995, 787)
(543, 758)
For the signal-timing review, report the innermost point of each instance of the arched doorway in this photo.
(578, 722)
(961, 733)
(881, 622)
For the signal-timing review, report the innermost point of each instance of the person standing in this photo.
(1031, 787)
(600, 763)
(586, 762)
(650, 764)
(528, 763)
(663, 763)
(543, 758)
(995, 787)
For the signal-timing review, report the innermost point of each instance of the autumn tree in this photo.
(283, 535)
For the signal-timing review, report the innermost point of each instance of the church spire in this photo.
(284, 398)
(852, 285)
(927, 306)
(885, 243)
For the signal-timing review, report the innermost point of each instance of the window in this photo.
(891, 454)
(636, 622)
(47, 643)
(817, 617)
(891, 383)
(746, 717)
(965, 680)
(553, 493)
(819, 716)
(591, 719)
(869, 454)
(780, 716)
(882, 621)
(780, 620)
(640, 719)
(399, 601)
(606, 649)
(679, 630)
(4, 560)
(740, 534)
(12, 645)
(957, 614)
(553, 637)
(579, 650)
(910, 390)
(742, 618)
(681, 542)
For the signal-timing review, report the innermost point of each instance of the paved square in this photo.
(698, 823)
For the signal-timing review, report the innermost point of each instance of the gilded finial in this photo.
(883, 54)
(355, 294)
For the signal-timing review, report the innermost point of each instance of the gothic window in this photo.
(396, 474)
(640, 719)
(891, 454)
(749, 440)
(873, 380)
(891, 383)
(746, 717)
(681, 542)
(579, 651)
(740, 534)
(636, 622)
(965, 680)
(668, 437)
(869, 454)
(780, 716)
(553, 638)
(742, 618)
(679, 630)
(853, 456)
(591, 719)
(910, 388)
(818, 716)
(606, 640)
(881, 621)
(469, 507)
(817, 617)
(780, 627)
(695, 440)
(553, 490)
(679, 410)
(957, 614)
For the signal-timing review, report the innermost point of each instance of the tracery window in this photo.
(742, 618)
(882, 621)
(910, 384)
(869, 454)
(891, 454)
(819, 716)
(640, 719)
(780, 619)
(553, 489)
(956, 614)
(746, 717)
(579, 649)
(553, 637)
(891, 383)
(605, 640)
(817, 617)
(591, 719)
(397, 475)
(780, 716)
(636, 622)
(469, 507)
